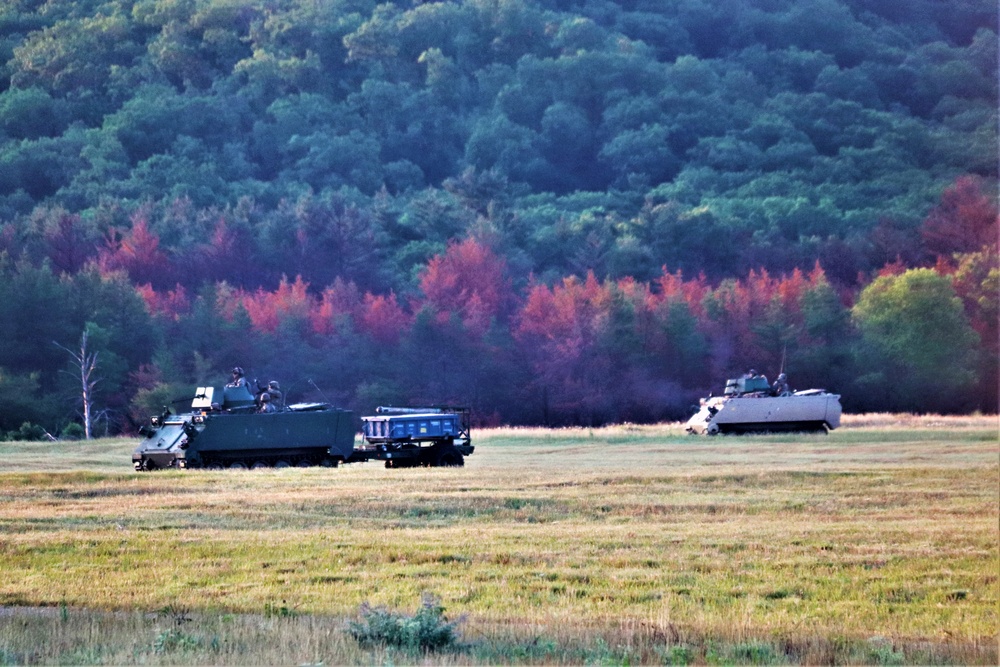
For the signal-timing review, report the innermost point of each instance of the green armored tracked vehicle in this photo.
(229, 433)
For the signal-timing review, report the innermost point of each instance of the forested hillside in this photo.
(557, 211)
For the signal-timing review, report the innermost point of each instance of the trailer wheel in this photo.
(449, 457)
(282, 464)
(237, 465)
(304, 463)
(257, 465)
(148, 465)
(713, 429)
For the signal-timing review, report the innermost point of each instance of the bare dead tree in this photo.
(84, 365)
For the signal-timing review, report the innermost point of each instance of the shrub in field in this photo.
(677, 655)
(27, 433)
(282, 610)
(73, 431)
(426, 630)
(755, 653)
(173, 640)
(882, 652)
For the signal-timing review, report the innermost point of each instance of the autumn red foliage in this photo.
(469, 280)
(964, 221)
(228, 254)
(383, 318)
(580, 350)
(339, 303)
(267, 310)
(171, 304)
(672, 288)
(137, 252)
(67, 245)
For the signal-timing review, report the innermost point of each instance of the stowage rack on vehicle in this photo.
(406, 437)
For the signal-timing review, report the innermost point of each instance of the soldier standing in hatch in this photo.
(265, 404)
(780, 386)
(277, 399)
(239, 379)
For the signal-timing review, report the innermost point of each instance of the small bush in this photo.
(753, 653)
(426, 630)
(882, 652)
(678, 655)
(27, 433)
(272, 610)
(73, 431)
(173, 640)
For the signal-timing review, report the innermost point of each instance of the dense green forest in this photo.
(557, 211)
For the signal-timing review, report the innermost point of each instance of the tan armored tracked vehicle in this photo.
(749, 405)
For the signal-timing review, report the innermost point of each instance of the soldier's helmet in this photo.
(782, 376)
(237, 371)
(273, 384)
(752, 372)
(265, 397)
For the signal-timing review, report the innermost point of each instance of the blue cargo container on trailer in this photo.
(407, 437)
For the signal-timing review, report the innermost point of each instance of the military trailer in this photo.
(748, 405)
(224, 430)
(407, 437)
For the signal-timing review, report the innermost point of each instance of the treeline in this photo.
(582, 350)
(706, 135)
(556, 210)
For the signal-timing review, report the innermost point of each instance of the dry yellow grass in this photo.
(636, 536)
(882, 420)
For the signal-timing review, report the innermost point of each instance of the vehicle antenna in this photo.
(784, 349)
(319, 390)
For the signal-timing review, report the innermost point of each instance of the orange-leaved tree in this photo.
(383, 319)
(170, 304)
(469, 281)
(137, 252)
(341, 304)
(558, 330)
(964, 221)
(267, 310)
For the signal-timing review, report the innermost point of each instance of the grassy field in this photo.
(876, 544)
